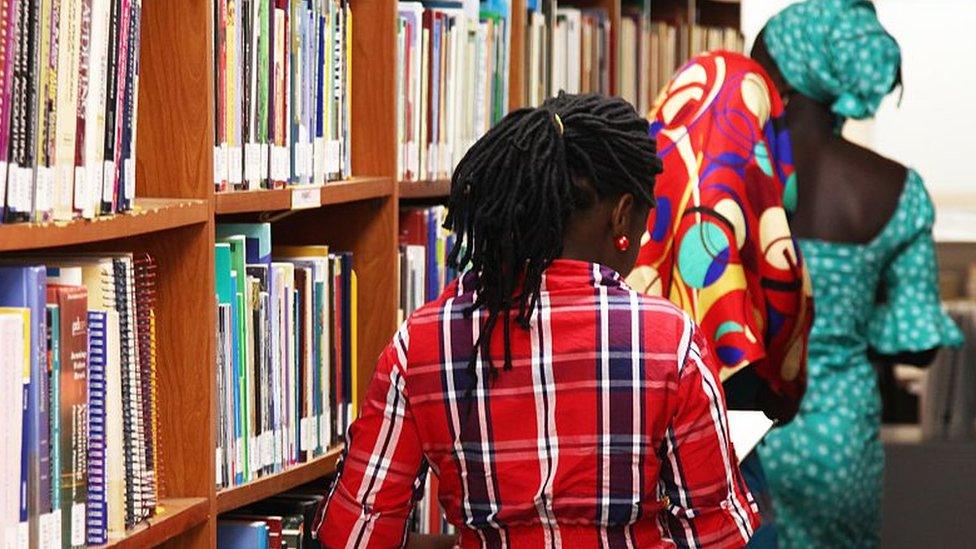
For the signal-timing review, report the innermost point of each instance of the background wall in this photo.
(933, 127)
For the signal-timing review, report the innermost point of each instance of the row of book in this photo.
(581, 51)
(79, 461)
(452, 81)
(282, 91)
(666, 47)
(424, 247)
(285, 521)
(287, 350)
(69, 94)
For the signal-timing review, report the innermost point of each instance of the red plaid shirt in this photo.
(608, 431)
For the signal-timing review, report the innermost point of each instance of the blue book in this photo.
(239, 534)
(257, 246)
(96, 510)
(433, 271)
(27, 287)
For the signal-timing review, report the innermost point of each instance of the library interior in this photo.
(487, 273)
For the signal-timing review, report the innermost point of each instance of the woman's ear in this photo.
(622, 215)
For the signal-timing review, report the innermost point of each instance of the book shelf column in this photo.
(175, 143)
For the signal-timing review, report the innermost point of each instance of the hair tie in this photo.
(559, 123)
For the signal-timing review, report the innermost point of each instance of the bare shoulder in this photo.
(852, 192)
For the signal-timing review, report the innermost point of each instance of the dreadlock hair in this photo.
(515, 189)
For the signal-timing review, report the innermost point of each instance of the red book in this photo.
(72, 302)
(413, 227)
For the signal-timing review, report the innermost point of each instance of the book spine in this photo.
(232, 95)
(81, 193)
(220, 95)
(133, 484)
(73, 302)
(8, 27)
(51, 524)
(95, 97)
(126, 167)
(264, 62)
(42, 194)
(67, 105)
(112, 74)
(38, 486)
(121, 97)
(96, 511)
(145, 293)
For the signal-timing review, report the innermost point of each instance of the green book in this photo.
(238, 265)
(54, 402)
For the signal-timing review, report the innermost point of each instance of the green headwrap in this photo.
(837, 52)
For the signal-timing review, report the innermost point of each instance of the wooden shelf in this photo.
(174, 517)
(335, 192)
(440, 188)
(148, 215)
(238, 496)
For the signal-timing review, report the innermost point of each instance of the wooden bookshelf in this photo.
(336, 192)
(239, 496)
(177, 208)
(148, 215)
(173, 518)
(421, 190)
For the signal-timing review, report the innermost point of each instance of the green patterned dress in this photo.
(825, 468)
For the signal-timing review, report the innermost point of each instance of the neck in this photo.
(809, 121)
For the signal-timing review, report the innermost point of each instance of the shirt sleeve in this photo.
(707, 502)
(912, 318)
(374, 492)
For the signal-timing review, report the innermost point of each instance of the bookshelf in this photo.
(176, 211)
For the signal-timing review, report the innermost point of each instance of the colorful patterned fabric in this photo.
(825, 468)
(718, 243)
(608, 431)
(836, 52)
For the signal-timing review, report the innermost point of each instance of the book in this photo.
(8, 26)
(241, 534)
(23, 113)
(25, 286)
(96, 510)
(14, 376)
(72, 302)
(282, 363)
(68, 38)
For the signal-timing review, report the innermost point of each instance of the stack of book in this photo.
(78, 368)
(286, 352)
(452, 82)
(282, 88)
(672, 45)
(581, 51)
(424, 247)
(285, 520)
(635, 62)
(69, 94)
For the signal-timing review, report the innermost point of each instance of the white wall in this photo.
(934, 127)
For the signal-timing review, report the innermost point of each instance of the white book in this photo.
(94, 154)
(69, 31)
(14, 364)
(114, 432)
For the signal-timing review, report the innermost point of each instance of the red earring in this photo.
(623, 243)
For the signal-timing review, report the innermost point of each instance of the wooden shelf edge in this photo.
(148, 215)
(264, 487)
(176, 516)
(270, 200)
(440, 188)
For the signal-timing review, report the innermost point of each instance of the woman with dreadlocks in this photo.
(557, 406)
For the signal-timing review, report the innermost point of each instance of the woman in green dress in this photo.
(864, 225)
